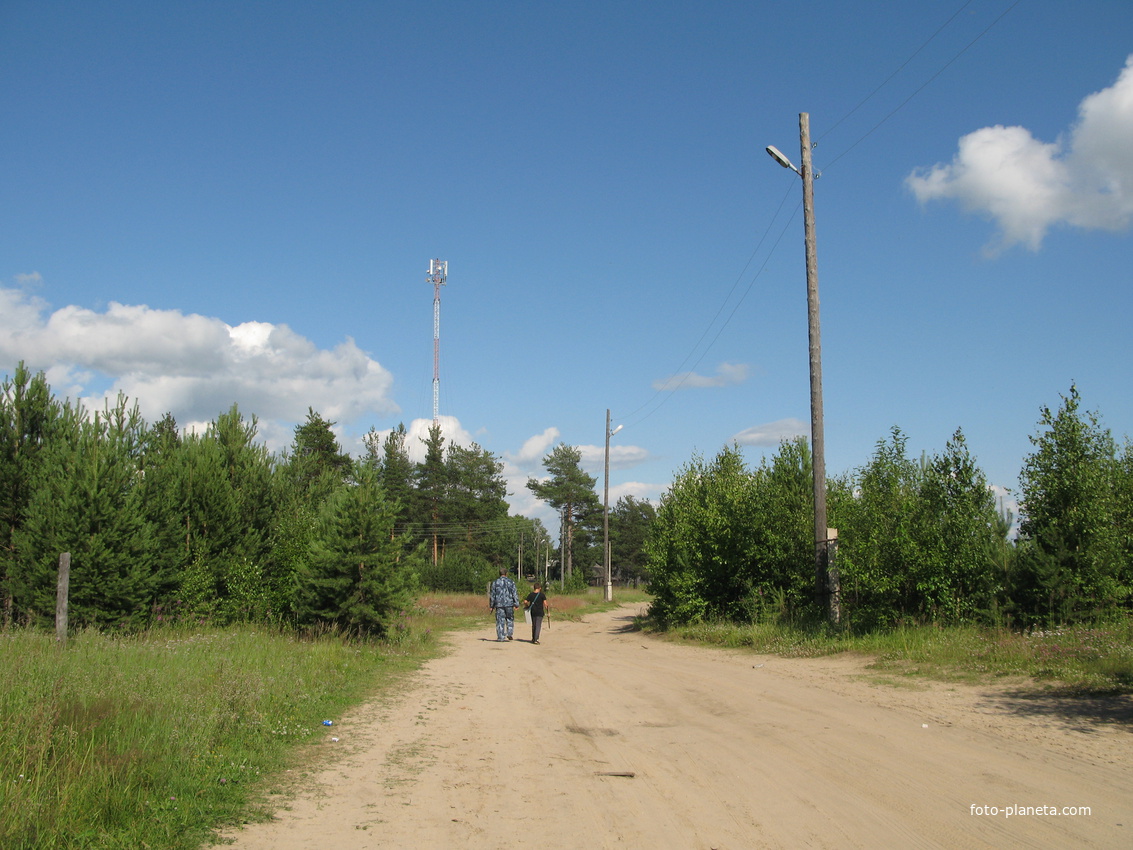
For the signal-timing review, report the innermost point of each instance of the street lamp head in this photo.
(778, 156)
(616, 430)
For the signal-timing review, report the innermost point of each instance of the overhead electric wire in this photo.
(900, 68)
(453, 528)
(923, 85)
(667, 390)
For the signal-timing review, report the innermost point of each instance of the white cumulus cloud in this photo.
(193, 366)
(534, 449)
(417, 434)
(1027, 186)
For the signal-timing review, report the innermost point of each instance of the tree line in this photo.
(918, 540)
(570, 491)
(164, 525)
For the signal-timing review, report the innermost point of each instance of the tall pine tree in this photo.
(569, 490)
(358, 578)
(87, 502)
(29, 421)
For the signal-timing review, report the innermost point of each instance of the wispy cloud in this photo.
(638, 490)
(621, 457)
(727, 374)
(773, 433)
(1028, 186)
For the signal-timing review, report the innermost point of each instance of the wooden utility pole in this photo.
(825, 579)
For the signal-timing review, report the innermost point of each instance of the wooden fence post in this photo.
(61, 591)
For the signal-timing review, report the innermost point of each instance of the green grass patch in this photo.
(1075, 659)
(155, 739)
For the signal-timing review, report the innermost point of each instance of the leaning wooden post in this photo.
(61, 591)
(834, 584)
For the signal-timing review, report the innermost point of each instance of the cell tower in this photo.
(438, 276)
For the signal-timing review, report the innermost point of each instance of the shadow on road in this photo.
(624, 625)
(1081, 713)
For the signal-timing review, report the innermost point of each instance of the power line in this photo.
(450, 528)
(666, 392)
(900, 68)
(926, 83)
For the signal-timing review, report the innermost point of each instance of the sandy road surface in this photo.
(602, 737)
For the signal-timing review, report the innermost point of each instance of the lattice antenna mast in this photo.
(438, 276)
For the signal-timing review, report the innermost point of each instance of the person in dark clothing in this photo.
(537, 605)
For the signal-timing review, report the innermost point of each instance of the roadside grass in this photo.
(575, 606)
(153, 740)
(1095, 659)
(156, 740)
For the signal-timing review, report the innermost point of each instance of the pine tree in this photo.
(161, 463)
(959, 529)
(29, 417)
(431, 482)
(317, 461)
(397, 473)
(630, 523)
(87, 502)
(567, 489)
(358, 578)
(476, 503)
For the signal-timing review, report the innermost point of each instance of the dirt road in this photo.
(602, 737)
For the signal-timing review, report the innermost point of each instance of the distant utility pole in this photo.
(606, 514)
(438, 276)
(563, 548)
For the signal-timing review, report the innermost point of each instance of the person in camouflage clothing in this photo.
(503, 598)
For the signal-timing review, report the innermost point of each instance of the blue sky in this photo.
(208, 203)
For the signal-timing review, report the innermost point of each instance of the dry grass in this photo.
(441, 610)
(567, 605)
(476, 605)
(452, 604)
